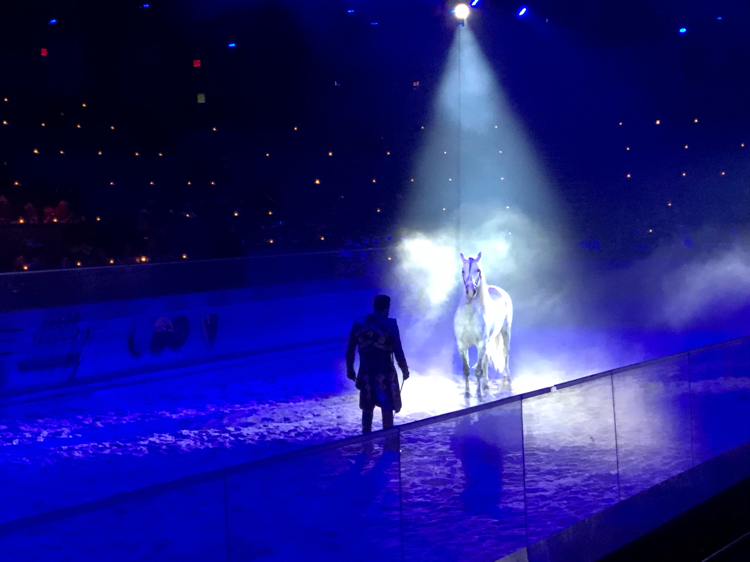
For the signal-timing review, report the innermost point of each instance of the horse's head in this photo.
(472, 275)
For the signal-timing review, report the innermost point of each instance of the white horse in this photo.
(483, 320)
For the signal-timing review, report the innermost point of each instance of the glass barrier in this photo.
(184, 524)
(652, 415)
(720, 398)
(462, 487)
(475, 485)
(338, 505)
(570, 456)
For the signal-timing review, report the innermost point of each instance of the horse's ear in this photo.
(463, 259)
(479, 256)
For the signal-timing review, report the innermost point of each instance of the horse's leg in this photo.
(506, 352)
(486, 371)
(464, 352)
(481, 369)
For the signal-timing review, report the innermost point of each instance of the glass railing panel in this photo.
(184, 524)
(570, 456)
(338, 505)
(720, 399)
(462, 487)
(652, 407)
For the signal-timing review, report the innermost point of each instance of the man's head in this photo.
(382, 304)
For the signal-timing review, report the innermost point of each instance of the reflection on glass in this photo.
(462, 487)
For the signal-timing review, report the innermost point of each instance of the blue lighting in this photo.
(232, 45)
(474, 3)
(145, 6)
(718, 18)
(374, 23)
(53, 22)
(522, 11)
(350, 11)
(683, 29)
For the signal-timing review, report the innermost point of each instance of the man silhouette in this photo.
(378, 341)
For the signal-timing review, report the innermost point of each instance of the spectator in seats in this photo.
(49, 215)
(81, 253)
(378, 340)
(19, 264)
(7, 214)
(129, 255)
(35, 264)
(62, 212)
(30, 216)
(98, 257)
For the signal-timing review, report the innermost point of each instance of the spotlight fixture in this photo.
(461, 11)
(522, 11)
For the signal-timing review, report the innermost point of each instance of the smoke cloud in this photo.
(575, 315)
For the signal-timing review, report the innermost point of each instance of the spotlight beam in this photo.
(477, 160)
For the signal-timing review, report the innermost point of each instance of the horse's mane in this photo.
(478, 264)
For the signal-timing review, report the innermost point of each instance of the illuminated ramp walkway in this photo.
(571, 472)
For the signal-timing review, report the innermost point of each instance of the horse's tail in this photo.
(496, 351)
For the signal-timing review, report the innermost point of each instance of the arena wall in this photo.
(67, 327)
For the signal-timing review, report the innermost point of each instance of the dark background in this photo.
(573, 70)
